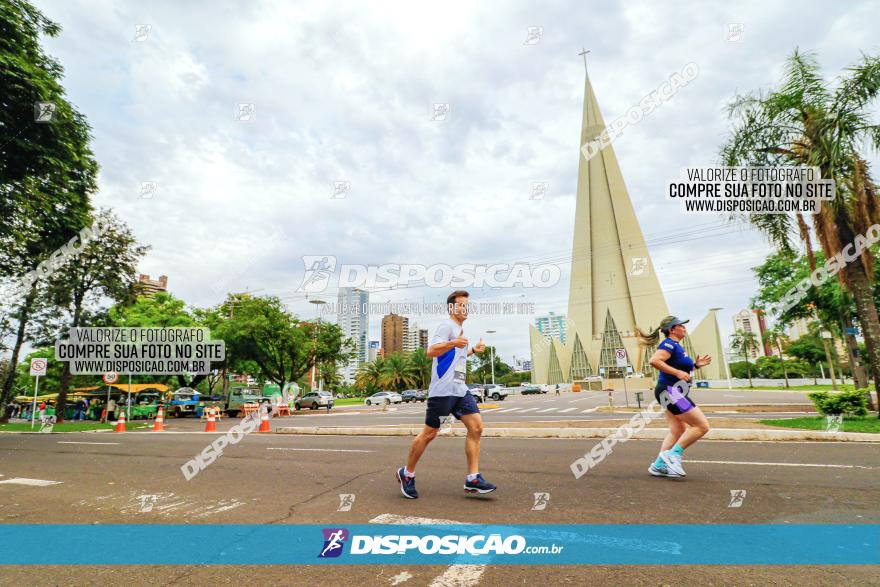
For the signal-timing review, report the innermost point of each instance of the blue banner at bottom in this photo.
(368, 544)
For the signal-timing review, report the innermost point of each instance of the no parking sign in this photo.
(620, 357)
(39, 366)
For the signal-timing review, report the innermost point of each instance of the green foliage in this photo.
(844, 402)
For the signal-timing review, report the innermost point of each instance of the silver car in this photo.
(314, 400)
(384, 397)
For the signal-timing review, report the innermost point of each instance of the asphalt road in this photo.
(281, 479)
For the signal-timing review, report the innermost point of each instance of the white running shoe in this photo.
(673, 462)
(661, 471)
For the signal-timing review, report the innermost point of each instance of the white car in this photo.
(383, 397)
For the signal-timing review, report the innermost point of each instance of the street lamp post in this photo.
(317, 323)
(492, 356)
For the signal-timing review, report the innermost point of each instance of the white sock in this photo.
(472, 476)
(408, 473)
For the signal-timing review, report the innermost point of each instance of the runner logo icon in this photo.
(334, 540)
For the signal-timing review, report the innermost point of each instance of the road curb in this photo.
(647, 433)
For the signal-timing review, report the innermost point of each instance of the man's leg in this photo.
(419, 444)
(474, 425)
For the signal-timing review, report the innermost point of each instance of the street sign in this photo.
(620, 357)
(110, 377)
(39, 366)
(852, 330)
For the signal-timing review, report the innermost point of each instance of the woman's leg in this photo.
(676, 429)
(697, 426)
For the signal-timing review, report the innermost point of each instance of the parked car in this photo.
(314, 400)
(383, 397)
(497, 392)
(530, 389)
(478, 392)
(238, 396)
(413, 395)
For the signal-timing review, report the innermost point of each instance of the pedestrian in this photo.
(448, 394)
(111, 410)
(687, 423)
(78, 409)
(557, 389)
(41, 410)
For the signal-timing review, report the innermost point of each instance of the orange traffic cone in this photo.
(264, 419)
(120, 423)
(159, 424)
(211, 426)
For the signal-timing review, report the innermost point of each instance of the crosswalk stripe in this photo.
(528, 410)
(509, 410)
(32, 482)
(546, 410)
(567, 410)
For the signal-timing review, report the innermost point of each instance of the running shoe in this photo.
(407, 485)
(661, 471)
(673, 462)
(479, 485)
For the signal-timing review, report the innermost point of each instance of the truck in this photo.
(184, 402)
(238, 396)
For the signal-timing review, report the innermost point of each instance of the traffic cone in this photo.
(211, 426)
(120, 423)
(264, 419)
(159, 423)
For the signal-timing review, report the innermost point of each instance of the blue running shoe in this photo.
(479, 485)
(407, 485)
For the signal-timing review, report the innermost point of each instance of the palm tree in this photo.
(422, 364)
(744, 343)
(775, 337)
(806, 122)
(398, 373)
(369, 375)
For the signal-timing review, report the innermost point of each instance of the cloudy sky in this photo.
(344, 91)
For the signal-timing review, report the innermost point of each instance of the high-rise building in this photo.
(147, 287)
(411, 337)
(752, 320)
(614, 292)
(374, 351)
(394, 329)
(551, 325)
(423, 338)
(353, 318)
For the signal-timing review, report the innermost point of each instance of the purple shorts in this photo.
(679, 403)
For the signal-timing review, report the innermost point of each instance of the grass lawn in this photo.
(65, 427)
(850, 423)
(847, 387)
(348, 401)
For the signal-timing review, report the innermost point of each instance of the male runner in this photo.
(447, 395)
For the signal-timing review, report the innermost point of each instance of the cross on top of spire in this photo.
(584, 53)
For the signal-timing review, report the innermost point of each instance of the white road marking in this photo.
(546, 410)
(589, 410)
(781, 464)
(73, 442)
(31, 482)
(454, 575)
(528, 410)
(508, 410)
(322, 449)
(567, 410)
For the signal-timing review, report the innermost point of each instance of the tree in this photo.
(284, 349)
(483, 370)
(161, 310)
(47, 170)
(398, 373)
(776, 338)
(369, 375)
(744, 343)
(804, 122)
(104, 269)
(422, 364)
